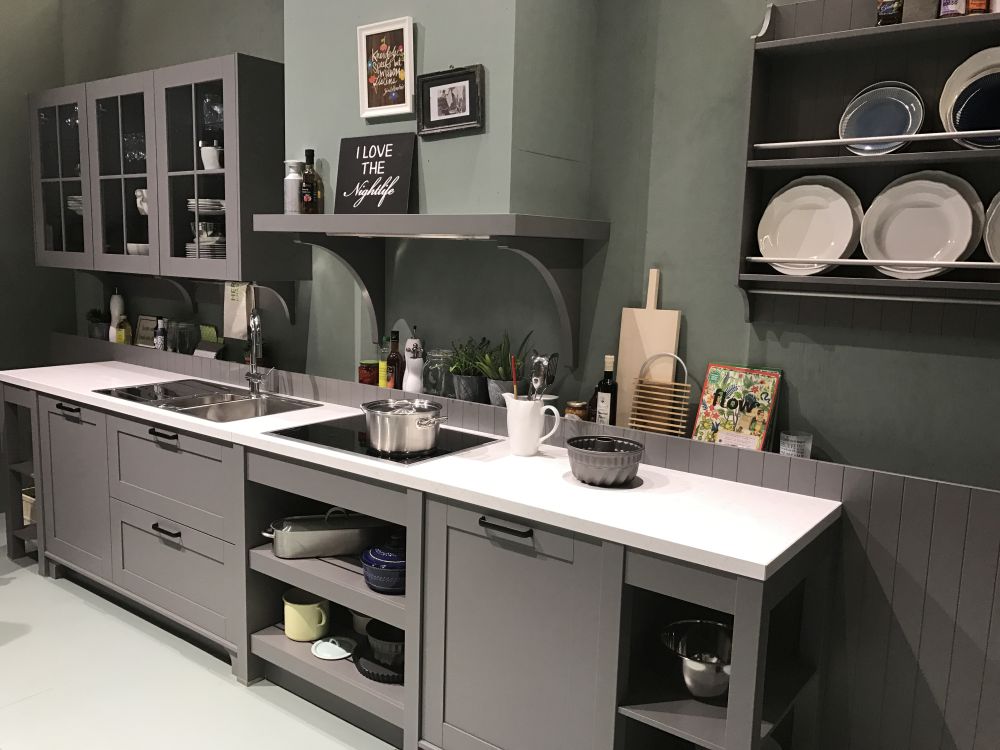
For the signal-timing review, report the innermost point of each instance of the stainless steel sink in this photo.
(210, 401)
(247, 408)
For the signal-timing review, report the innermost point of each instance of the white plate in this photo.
(889, 108)
(815, 217)
(992, 231)
(334, 649)
(980, 64)
(918, 219)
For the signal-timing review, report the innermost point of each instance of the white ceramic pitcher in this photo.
(525, 422)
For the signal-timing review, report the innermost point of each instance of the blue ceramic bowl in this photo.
(385, 567)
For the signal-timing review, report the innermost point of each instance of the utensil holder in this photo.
(658, 406)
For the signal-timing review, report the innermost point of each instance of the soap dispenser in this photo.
(413, 375)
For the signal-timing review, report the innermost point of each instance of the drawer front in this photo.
(189, 480)
(172, 566)
(513, 533)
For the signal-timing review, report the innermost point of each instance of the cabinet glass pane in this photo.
(69, 139)
(111, 217)
(180, 129)
(73, 215)
(136, 222)
(48, 142)
(209, 230)
(211, 116)
(134, 133)
(181, 218)
(108, 137)
(52, 216)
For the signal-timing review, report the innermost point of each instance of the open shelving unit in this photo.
(805, 71)
(18, 431)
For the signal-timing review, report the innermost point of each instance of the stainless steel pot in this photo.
(339, 532)
(403, 427)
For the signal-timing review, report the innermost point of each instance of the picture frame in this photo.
(451, 100)
(145, 327)
(385, 68)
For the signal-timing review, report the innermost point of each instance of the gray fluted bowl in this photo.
(604, 461)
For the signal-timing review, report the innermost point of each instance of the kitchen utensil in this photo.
(815, 217)
(334, 649)
(705, 651)
(644, 332)
(974, 85)
(658, 406)
(796, 444)
(307, 616)
(339, 532)
(604, 461)
(887, 108)
(387, 643)
(498, 388)
(403, 427)
(525, 422)
(385, 567)
(539, 368)
(360, 621)
(916, 218)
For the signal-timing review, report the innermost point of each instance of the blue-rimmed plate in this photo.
(882, 109)
(968, 100)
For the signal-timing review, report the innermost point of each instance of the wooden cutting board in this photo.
(645, 331)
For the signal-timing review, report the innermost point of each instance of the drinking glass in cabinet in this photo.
(108, 137)
(48, 141)
(69, 139)
(133, 114)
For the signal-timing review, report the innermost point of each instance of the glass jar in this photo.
(368, 372)
(436, 372)
(577, 410)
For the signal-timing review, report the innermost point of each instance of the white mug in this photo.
(525, 422)
(142, 201)
(210, 157)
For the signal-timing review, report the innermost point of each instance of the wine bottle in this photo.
(607, 393)
(395, 365)
(383, 362)
(312, 186)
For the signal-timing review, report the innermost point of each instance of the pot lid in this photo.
(402, 407)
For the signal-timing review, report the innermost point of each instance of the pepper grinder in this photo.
(413, 375)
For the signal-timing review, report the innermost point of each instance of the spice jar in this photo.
(368, 372)
(577, 410)
(436, 372)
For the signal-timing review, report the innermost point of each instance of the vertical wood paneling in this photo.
(724, 462)
(809, 18)
(701, 458)
(802, 476)
(750, 468)
(678, 453)
(907, 610)
(829, 481)
(988, 725)
(926, 318)
(836, 15)
(876, 611)
(972, 624)
(776, 470)
(944, 570)
(784, 21)
(862, 14)
(847, 614)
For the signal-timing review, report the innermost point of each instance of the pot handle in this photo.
(426, 422)
(269, 534)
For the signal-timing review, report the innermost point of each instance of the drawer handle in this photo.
(519, 533)
(68, 409)
(163, 435)
(160, 530)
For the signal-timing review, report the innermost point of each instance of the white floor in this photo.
(77, 672)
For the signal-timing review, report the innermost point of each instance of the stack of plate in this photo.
(814, 218)
(992, 231)
(890, 108)
(971, 98)
(75, 204)
(207, 206)
(213, 248)
(927, 216)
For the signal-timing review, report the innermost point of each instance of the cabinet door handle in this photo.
(519, 533)
(68, 409)
(160, 530)
(163, 435)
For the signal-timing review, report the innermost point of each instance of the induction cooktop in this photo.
(350, 434)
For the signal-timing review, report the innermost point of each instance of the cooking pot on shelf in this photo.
(403, 428)
(339, 532)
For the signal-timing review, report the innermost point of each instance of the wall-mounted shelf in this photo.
(552, 245)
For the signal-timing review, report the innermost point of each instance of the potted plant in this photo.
(468, 379)
(98, 323)
(495, 365)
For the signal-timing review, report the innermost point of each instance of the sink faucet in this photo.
(255, 377)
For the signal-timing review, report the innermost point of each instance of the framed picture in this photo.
(385, 68)
(145, 327)
(451, 100)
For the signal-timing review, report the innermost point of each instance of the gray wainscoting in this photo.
(915, 650)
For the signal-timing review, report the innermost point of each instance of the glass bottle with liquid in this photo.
(312, 186)
(383, 362)
(607, 393)
(395, 365)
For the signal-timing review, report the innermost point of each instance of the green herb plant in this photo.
(466, 356)
(96, 315)
(495, 362)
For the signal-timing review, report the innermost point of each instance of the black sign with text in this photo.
(373, 176)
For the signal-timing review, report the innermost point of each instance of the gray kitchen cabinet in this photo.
(123, 184)
(76, 503)
(60, 178)
(512, 635)
(237, 103)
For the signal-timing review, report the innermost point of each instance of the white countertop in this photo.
(737, 528)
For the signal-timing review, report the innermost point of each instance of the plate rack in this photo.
(804, 75)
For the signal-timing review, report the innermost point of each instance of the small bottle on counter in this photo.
(293, 186)
(395, 365)
(888, 12)
(383, 362)
(607, 393)
(160, 336)
(312, 186)
(951, 8)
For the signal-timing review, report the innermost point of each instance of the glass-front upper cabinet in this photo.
(199, 228)
(60, 177)
(123, 174)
